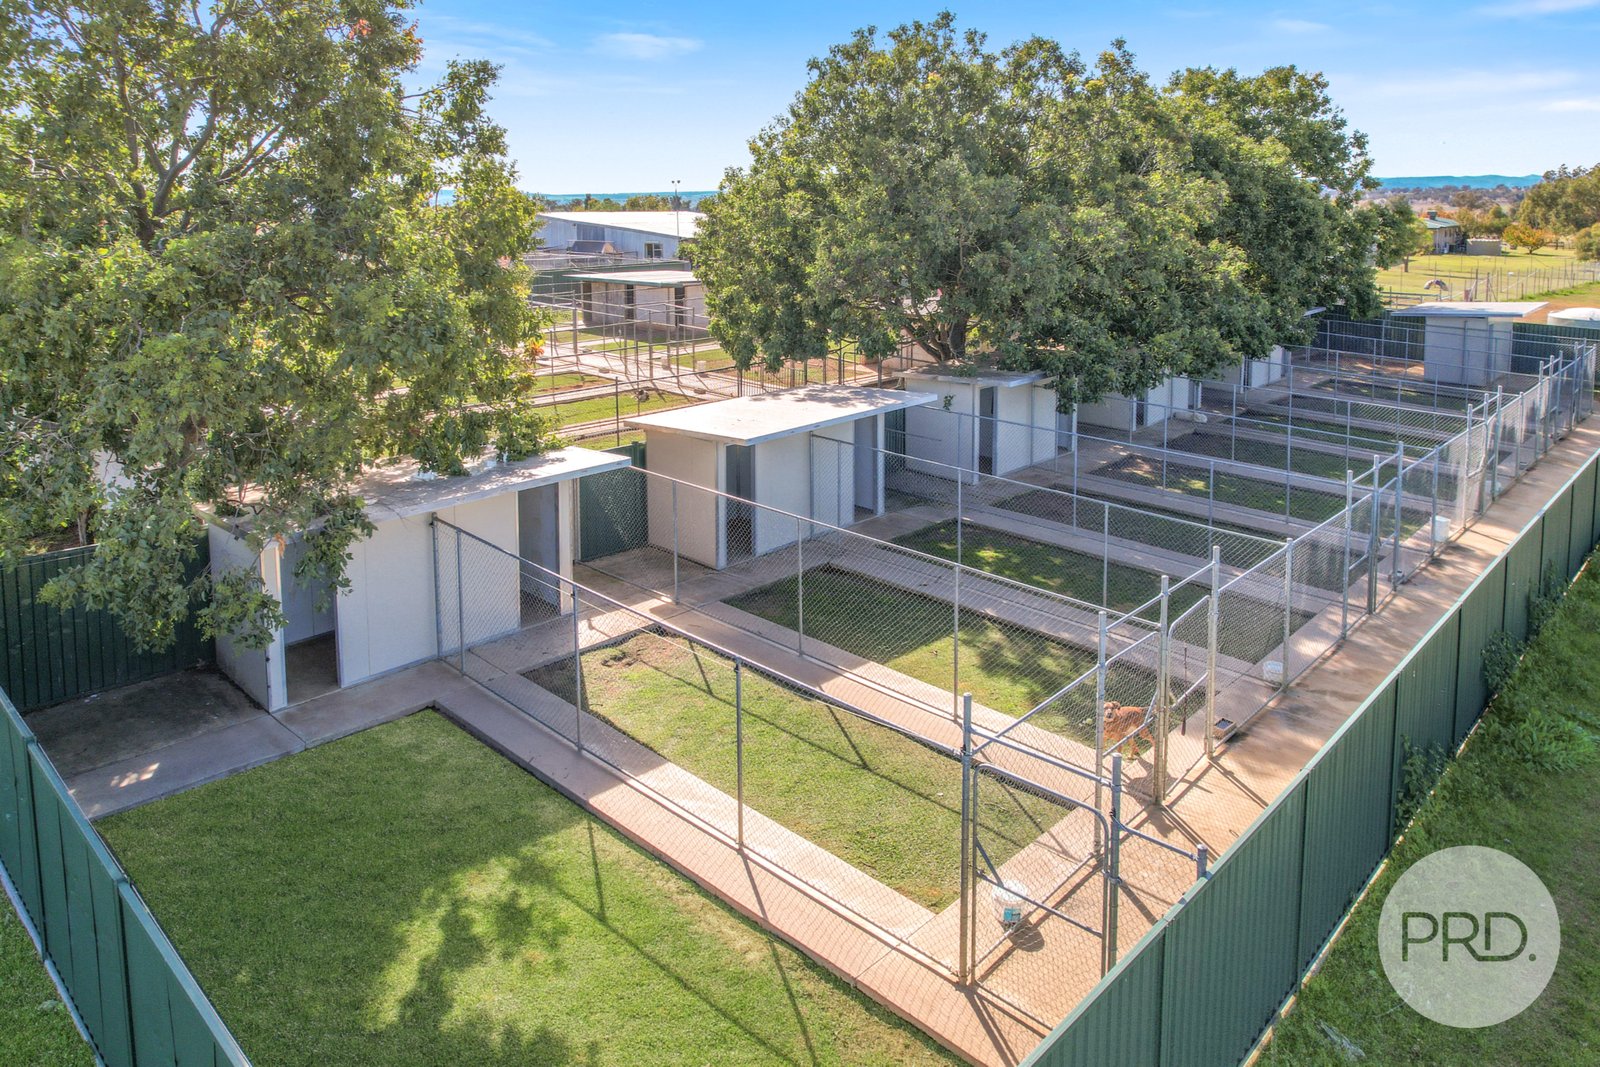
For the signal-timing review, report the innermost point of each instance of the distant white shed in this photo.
(815, 452)
(987, 421)
(403, 605)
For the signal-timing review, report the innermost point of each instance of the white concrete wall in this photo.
(258, 671)
(304, 619)
(1025, 427)
(1113, 411)
(699, 527)
(387, 615)
(1465, 351)
(941, 435)
(833, 483)
(869, 463)
(781, 482)
(1253, 373)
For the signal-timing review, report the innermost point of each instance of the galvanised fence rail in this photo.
(1207, 979)
(127, 986)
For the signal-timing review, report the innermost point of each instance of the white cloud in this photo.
(1589, 103)
(1517, 9)
(1300, 26)
(646, 46)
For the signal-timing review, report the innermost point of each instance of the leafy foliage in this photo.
(1566, 201)
(222, 268)
(1521, 235)
(1401, 232)
(1027, 207)
(1587, 243)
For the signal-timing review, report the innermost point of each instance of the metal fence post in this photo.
(1202, 860)
(720, 503)
(955, 636)
(1288, 608)
(1163, 701)
(577, 675)
(1373, 535)
(1433, 507)
(1100, 713)
(964, 964)
(461, 614)
(1105, 550)
(1211, 498)
(738, 743)
(800, 587)
(1344, 580)
(1399, 486)
(958, 518)
(1113, 863)
(1494, 454)
(1213, 621)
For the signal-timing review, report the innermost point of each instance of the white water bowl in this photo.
(1008, 898)
(1272, 671)
(1441, 527)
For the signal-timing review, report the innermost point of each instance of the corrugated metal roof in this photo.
(656, 223)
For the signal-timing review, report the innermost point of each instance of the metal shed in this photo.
(816, 452)
(1468, 342)
(402, 603)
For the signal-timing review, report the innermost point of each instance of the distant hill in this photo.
(1468, 181)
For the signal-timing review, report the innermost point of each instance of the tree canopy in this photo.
(1028, 207)
(1565, 201)
(1401, 233)
(220, 268)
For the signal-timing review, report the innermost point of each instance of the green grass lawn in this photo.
(596, 408)
(563, 380)
(1077, 574)
(1005, 667)
(1526, 784)
(1363, 441)
(407, 896)
(35, 1028)
(1399, 393)
(1459, 270)
(881, 802)
(1308, 504)
(1261, 453)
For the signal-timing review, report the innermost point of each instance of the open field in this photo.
(35, 1028)
(1006, 668)
(1526, 784)
(1078, 575)
(407, 896)
(1461, 271)
(880, 801)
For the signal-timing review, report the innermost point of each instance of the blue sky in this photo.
(626, 96)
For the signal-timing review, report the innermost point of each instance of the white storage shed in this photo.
(1126, 413)
(986, 421)
(1467, 342)
(816, 451)
(390, 616)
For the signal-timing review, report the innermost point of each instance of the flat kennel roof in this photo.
(1005, 379)
(395, 491)
(749, 420)
(661, 278)
(1473, 309)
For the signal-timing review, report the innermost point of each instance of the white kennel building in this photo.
(988, 421)
(1125, 413)
(1466, 342)
(815, 451)
(389, 616)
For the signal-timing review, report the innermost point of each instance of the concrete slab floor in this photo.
(116, 724)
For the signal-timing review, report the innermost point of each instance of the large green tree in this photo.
(1565, 201)
(1026, 207)
(222, 269)
(1399, 233)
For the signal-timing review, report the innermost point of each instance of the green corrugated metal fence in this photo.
(1203, 984)
(53, 654)
(136, 997)
(613, 509)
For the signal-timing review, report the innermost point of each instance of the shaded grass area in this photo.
(34, 1025)
(1008, 668)
(1364, 441)
(880, 801)
(407, 896)
(1526, 784)
(1273, 498)
(1262, 453)
(1400, 394)
(1078, 574)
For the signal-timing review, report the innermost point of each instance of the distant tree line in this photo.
(643, 202)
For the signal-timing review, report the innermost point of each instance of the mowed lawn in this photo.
(1310, 505)
(1526, 784)
(1079, 575)
(407, 896)
(1008, 668)
(35, 1028)
(884, 803)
